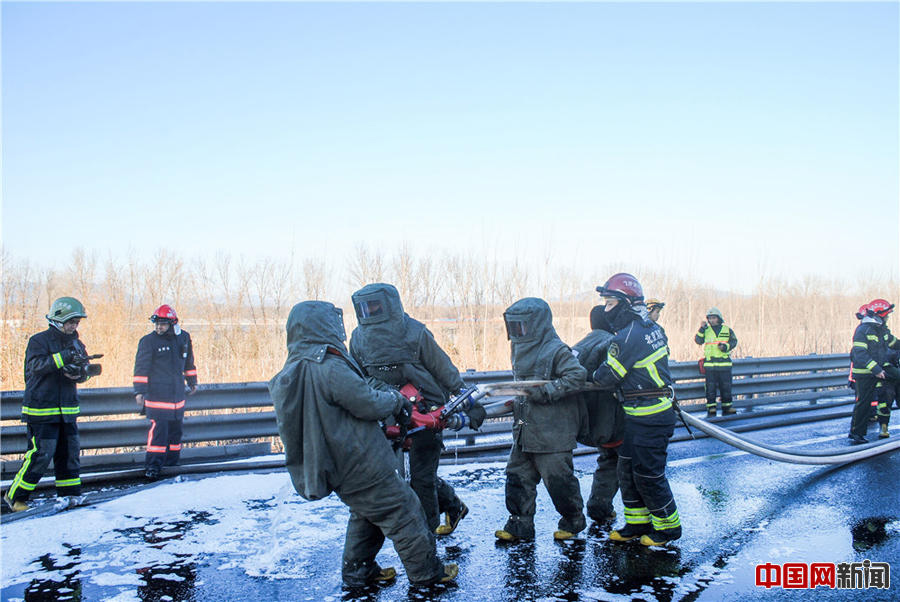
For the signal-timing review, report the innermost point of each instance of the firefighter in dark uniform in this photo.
(328, 419)
(638, 365)
(860, 314)
(164, 361)
(56, 361)
(546, 424)
(397, 350)
(871, 365)
(718, 340)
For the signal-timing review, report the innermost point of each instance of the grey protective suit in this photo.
(328, 421)
(546, 423)
(396, 349)
(605, 427)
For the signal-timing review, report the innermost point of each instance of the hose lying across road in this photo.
(780, 454)
(770, 452)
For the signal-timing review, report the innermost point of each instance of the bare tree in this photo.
(365, 266)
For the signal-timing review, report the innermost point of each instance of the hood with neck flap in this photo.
(534, 342)
(386, 334)
(313, 327)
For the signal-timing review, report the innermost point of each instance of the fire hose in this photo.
(770, 452)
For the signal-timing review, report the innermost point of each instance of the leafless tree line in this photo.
(235, 308)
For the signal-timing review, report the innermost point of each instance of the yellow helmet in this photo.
(654, 303)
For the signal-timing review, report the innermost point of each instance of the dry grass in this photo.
(236, 310)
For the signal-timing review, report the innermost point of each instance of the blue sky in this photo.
(718, 140)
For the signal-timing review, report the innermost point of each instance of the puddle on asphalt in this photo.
(66, 582)
(873, 531)
(163, 581)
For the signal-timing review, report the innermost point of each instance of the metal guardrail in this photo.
(243, 411)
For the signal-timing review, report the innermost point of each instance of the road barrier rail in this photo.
(220, 415)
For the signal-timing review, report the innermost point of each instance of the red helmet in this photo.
(624, 287)
(879, 307)
(861, 312)
(164, 312)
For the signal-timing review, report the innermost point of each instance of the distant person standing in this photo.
(56, 361)
(718, 340)
(654, 309)
(871, 366)
(164, 361)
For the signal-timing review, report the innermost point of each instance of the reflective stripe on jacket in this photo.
(710, 339)
(50, 396)
(870, 348)
(638, 359)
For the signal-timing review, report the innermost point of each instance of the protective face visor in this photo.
(371, 308)
(517, 327)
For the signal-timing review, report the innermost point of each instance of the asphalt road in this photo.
(738, 511)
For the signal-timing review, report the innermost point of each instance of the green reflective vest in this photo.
(715, 357)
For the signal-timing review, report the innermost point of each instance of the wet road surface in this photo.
(248, 537)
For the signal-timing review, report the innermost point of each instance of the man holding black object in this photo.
(56, 361)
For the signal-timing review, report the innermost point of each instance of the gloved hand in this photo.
(73, 371)
(403, 412)
(476, 414)
(891, 371)
(723, 346)
(69, 355)
(537, 395)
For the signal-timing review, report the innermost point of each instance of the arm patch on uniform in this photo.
(613, 350)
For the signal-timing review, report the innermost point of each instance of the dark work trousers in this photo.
(646, 494)
(885, 394)
(435, 495)
(387, 508)
(605, 484)
(164, 442)
(718, 382)
(867, 393)
(57, 441)
(524, 470)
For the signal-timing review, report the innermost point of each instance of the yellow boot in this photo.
(884, 434)
(451, 521)
(451, 570)
(505, 536)
(386, 574)
(18, 506)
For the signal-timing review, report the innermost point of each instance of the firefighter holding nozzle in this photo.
(546, 422)
(329, 421)
(637, 364)
(398, 352)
